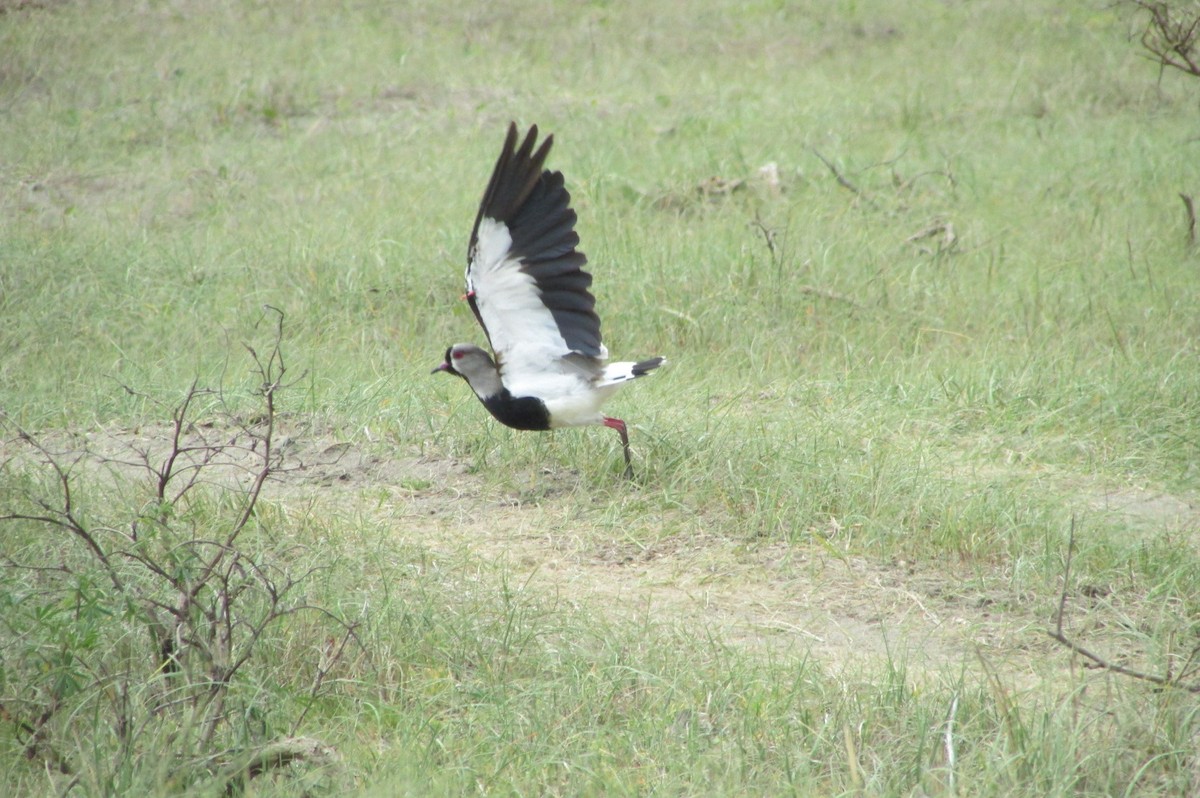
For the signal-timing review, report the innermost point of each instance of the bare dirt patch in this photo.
(1144, 507)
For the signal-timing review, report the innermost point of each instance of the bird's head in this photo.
(467, 361)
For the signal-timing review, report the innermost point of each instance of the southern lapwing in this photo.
(528, 289)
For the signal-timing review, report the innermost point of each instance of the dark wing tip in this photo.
(514, 177)
(535, 206)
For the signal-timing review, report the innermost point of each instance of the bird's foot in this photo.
(619, 426)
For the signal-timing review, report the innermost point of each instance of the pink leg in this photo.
(619, 426)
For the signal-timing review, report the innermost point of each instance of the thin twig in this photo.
(1097, 660)
(1062, 599)
(769, 236)
(841, 179)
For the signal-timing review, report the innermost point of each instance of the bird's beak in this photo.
(443, 367)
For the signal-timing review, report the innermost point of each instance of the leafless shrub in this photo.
(129, 617)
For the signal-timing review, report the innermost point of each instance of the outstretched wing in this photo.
(525, 278)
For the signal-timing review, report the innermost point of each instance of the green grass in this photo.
(841, 386)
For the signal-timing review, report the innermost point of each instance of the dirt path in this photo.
(783, 599)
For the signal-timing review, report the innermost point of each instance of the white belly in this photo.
(579, 409)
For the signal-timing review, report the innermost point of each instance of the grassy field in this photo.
(922, 271)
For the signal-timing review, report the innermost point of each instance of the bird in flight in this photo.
(527, 287)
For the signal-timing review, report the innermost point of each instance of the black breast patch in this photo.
(526, 412)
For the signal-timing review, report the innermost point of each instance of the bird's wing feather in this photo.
(525, 277)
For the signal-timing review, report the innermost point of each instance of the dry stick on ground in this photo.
(1099, 661)
(842, 179)
(1190, 207)
(278, 755)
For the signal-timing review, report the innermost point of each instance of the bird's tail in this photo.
(644, 367)
(615, 373)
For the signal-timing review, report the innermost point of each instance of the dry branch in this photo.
(1171, 34)
(1098, 661)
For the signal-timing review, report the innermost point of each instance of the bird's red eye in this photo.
(457, 355)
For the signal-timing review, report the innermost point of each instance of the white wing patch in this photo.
(520, 327)
(508, 298)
